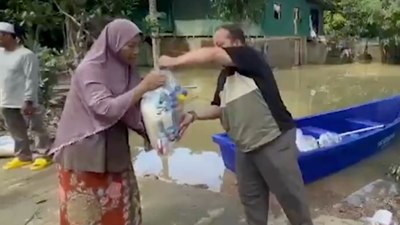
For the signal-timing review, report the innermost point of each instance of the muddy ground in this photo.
(30, 198)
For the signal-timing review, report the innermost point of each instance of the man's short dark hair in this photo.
(235, 31)
(19, 32)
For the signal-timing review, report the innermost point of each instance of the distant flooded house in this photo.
(283, 33)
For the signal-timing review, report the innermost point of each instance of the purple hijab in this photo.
(102, 89)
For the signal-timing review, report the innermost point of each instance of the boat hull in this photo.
(320, 163)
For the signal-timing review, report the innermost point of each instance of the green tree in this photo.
(368, 19)
(37, 17)
(352, 19)
(72, 20)
(239, 10)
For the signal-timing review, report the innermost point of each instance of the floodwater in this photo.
(305, 91)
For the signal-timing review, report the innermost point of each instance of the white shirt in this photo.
(19, 77)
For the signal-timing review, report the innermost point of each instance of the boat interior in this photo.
(355, 121)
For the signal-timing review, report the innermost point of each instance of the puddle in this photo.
(203, 169)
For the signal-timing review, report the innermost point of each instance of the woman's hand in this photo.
(150, 82)
(153, 80)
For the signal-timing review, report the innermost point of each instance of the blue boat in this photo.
(375, 123)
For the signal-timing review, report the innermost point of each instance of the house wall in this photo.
(317, 52)
(194, 18)
(285, 25)
(282, 52)
(193, 27)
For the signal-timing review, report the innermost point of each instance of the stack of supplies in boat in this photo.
(307, 143)
(162, 110)
(328, 139)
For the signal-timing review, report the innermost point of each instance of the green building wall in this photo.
(285, 25)
(194, 18)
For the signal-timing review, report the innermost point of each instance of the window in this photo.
(277, 11)
(296, 14)
(315, 19)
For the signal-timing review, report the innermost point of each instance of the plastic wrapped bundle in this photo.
(329, 139)
(162, 109)
(305, 143)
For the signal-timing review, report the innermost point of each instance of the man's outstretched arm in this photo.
(200, 56)
(210, 113)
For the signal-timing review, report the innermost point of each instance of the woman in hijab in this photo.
(97, 182)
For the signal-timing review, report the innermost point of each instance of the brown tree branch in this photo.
(72, 19)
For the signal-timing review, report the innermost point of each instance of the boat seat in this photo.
(315, 131)
(365, 122)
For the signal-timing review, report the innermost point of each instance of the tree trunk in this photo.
(365, 57)
(77, 40)
(366, 47)
(155, 33)
(390, 51)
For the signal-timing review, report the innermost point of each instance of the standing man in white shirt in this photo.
(19, 87)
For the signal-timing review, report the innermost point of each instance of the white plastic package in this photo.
(329, 139)
(305, 143)
(162, 109)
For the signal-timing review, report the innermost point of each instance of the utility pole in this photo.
(154, 32)
(155, 40)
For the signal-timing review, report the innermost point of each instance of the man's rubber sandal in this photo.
(15, 163)
(40, 163)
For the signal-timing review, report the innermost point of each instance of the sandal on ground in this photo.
(40, 163)
(15, 163)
